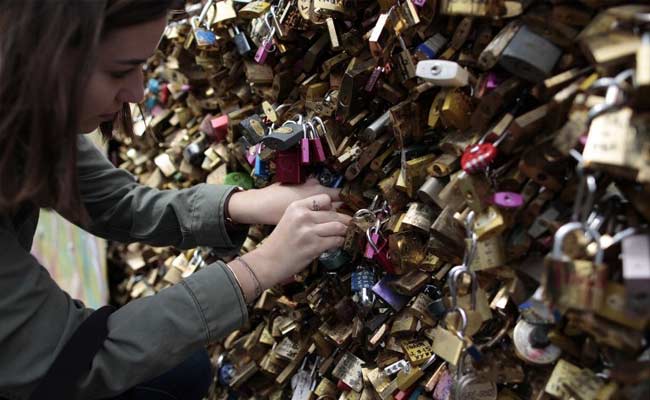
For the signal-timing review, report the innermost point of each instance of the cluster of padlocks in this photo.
(495, 156)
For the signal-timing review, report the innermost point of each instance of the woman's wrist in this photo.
(238, 206)
(254, 273)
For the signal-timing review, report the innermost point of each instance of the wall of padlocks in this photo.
(495, 155)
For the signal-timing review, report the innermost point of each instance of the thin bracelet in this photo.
(258, 286)
(241, 288)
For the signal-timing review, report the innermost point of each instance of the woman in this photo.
(68, 67)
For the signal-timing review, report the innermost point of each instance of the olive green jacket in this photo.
(145, 337)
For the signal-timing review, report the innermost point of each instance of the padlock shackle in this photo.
(616, 95)
(204, 11)
(564, 230)
(460, 333)
(319, 121)
(584, 203)
(369, 233)
(452, 281)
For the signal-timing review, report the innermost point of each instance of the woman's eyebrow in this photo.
(132, 61)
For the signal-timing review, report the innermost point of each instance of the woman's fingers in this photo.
(335, 194)
(330, 243)
(333, 228)
(322, 217)
(319, 202)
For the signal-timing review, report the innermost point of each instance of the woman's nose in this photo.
(132, 91)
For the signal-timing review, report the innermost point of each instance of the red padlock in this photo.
(342, 386)
(382, 257)
(219, 127)
(478, 157)
(287, 166)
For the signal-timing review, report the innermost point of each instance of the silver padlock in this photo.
(530, 56)
(443, 73)
(636, 272)
(241, 41)
(429, 191)
(532, 344)
(472, 385)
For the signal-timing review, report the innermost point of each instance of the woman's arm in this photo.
(125, 211)
(146, 337)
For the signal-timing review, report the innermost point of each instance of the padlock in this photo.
(636, 272)
(471, 384)
(287, 166)
(284, 137)
(362, 282)
(489, 223)
(475, 189)
(578, 284)
(533, 345)
(443, 73)
(430, 48)
(220, 127)
(241, 41)
(204, 38)
(529, 56)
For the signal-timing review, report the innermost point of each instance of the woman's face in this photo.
(117, 77)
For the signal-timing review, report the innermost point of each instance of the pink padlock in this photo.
(263, 51)
(220, 127)
(370, 249)
(318, 149)
(508, 199)
(252, 154)
(316, 143)
(305, 159)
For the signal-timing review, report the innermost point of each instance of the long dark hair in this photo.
(39, 102)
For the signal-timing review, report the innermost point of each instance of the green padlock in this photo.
(239, 179)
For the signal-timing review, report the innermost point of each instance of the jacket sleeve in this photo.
(125, 211)
(145, 338)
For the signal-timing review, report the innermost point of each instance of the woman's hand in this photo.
(301, 235)
(267, 205)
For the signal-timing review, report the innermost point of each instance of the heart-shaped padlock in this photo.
(477, 157)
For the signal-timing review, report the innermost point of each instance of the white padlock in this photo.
(443, 73)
